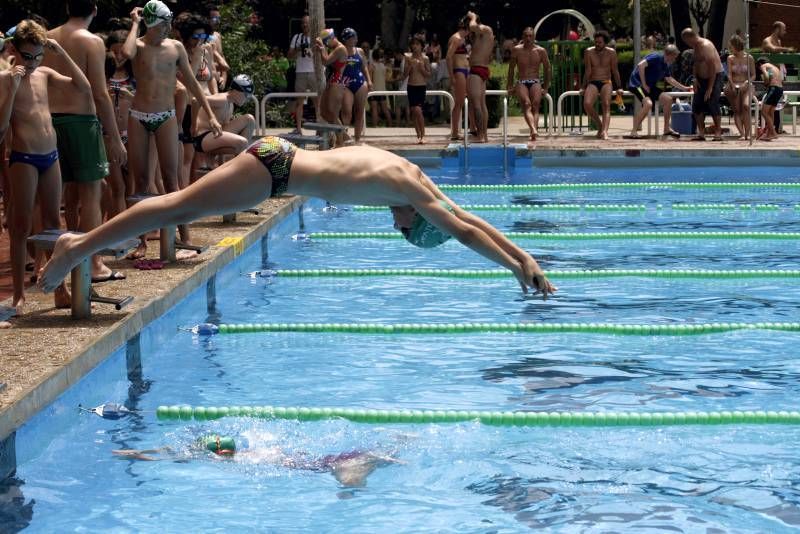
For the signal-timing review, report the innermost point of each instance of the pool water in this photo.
(456, 477)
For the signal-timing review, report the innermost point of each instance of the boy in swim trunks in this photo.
(350, 469)
(418, 70)
(482, 38)
(772, 77)
(156, 62)
(529, 57)
(272, 166)
(33, 163)
(600, 64)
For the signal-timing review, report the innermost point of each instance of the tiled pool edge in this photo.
(29, 402)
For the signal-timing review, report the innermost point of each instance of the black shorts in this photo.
(773, 95)
(416, 95)
(641, 94)
(710, 106)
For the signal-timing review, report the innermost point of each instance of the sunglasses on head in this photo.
(31, 57)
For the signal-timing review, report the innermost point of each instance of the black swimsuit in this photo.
(277, 155)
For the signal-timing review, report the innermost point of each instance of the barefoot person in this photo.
(272, 166)
(33, 162)
(156, 62)
(350, 469)
(355, 78)
(707, 70)
(236, 131)
(418, 71)
(457, 60)
(600, 64)
(334, 56)
(81, 144)
(482, 38)
(528, 57)
(739, 89)
(650, 71)
(300, 52)
(771, 74)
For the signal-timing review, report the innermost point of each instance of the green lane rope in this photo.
(571, 419)
(605, 207)
(617, 185)
(555, 274)
(536, 328)
(583, 235)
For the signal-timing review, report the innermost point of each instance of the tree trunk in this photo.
(316, 15)
(716, 28)
(680, 19)
(397, 18)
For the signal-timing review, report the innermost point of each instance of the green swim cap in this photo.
(223, 445)
(425, 235)
(156, 12)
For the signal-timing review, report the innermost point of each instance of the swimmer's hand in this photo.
(532, 276)
(17, 73)
(54, 47)
(215, 127)
(136, 14)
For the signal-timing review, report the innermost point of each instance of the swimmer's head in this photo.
(220, 445)
(416, 228)
(763, 60)
(349, 33)
(327, 35)
(242, 83)
(156, 12)
(28, 39)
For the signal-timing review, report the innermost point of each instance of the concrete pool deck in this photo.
(45, 351)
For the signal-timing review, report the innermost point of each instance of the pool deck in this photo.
(45, 351)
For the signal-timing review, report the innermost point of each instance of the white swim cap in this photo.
(156, 12)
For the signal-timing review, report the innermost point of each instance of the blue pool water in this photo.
(458, 477)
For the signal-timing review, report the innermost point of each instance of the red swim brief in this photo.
(481, 71)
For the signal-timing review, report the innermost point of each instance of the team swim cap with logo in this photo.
(155, 12)
(223, 445)
(326, 35)
(242, 83)
(348, 33)
(425, 235)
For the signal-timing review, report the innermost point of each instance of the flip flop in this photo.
(697, 138)
(148, 265)
(672, 133)
(717, 138)
(113, 276)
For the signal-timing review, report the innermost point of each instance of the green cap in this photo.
(425, 235)
(156, 12)
(217, 444)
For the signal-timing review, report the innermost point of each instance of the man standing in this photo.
(600, 64)
(482, 38)
(772, 43)
(651, 70)
(707, 71)
(81, 144)
(214, 18)
(305, 81)
(528, 57)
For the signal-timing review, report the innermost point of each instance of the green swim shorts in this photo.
(82, 154)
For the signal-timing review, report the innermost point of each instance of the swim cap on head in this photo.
(156, 12)
(242, 83)
(425, 235)
(347, 33)
(326, 35)
(223, 445)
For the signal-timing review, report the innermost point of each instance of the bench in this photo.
(167, 244)
(81, 276)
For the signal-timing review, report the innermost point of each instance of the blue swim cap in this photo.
(425, 235)
(347, 33)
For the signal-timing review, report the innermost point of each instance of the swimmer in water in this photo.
(351, 175)
(350, 469)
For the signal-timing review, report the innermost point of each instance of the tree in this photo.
(701, 11)
(397, 18)
(680, 19)
(716, 25)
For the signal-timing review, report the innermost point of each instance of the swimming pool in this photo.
(461, 476)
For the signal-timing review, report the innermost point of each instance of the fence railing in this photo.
(560, 104)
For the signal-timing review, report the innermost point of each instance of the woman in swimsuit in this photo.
(355, 78)
(334, 56)
(739, 89)
(121, 88)
(458, 64)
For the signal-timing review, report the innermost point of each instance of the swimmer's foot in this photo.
(19, 306)
(61, 262)
(139, 252)
(61, 297)
(420, 140)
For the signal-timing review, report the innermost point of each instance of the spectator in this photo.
(772, 43)
(305, 78)
(600, 63)
(707, 71)
(773, 79)
(377, 72)
(739, 89)
(418, 71)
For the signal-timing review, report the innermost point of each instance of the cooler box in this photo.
(683, 119)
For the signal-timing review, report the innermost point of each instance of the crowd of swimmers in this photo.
(147, 108)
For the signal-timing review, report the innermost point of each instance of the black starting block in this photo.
(167, 244)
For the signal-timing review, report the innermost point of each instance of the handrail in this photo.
(256, 113)
(433, 92)
(466, 133)
(505, 134)
(271, 96)
(565, 94)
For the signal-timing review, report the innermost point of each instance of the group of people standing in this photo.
(134, 112)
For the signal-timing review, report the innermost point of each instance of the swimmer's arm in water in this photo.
(193, 86)
(140, 454)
